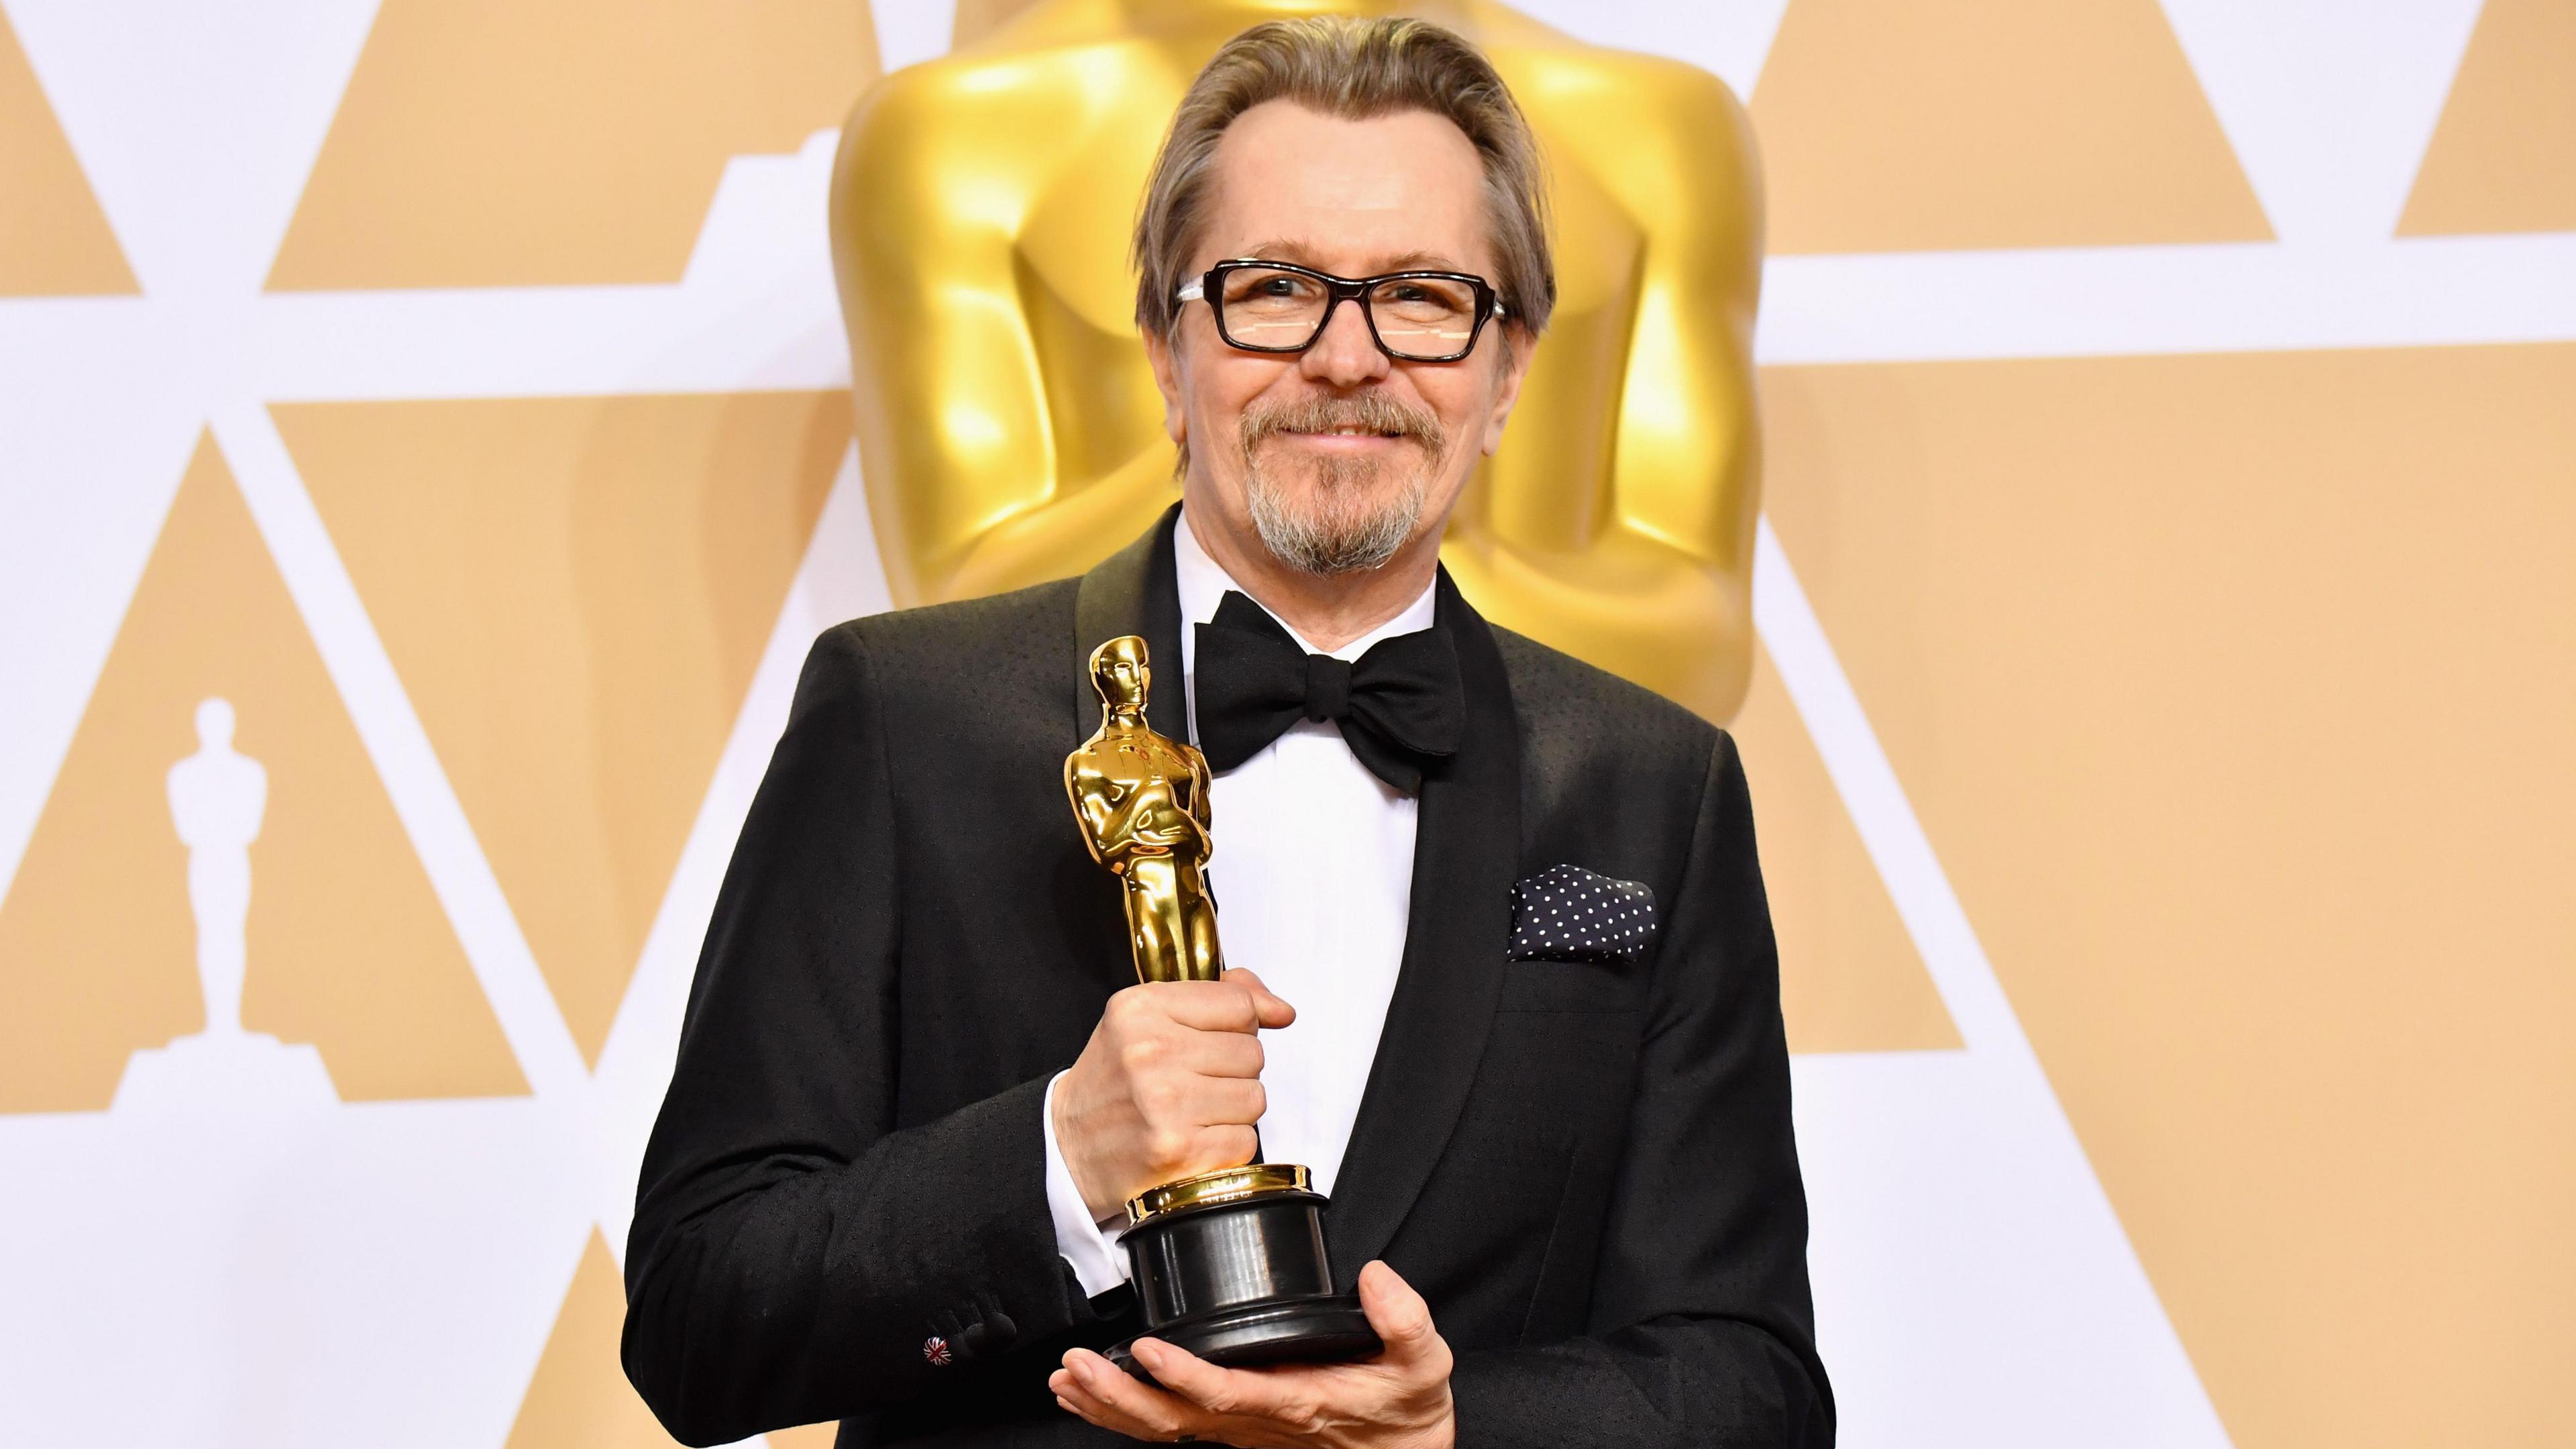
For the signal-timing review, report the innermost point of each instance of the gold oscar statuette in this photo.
(1142, 799)
(1228, 1264)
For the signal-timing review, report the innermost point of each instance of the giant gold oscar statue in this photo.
(1010, 431)
(1229, 1264)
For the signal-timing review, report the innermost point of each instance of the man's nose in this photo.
(1346, 355)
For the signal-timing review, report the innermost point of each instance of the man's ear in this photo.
(1514, 362)
(1158, 352)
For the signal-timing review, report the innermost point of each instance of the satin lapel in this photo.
(1134, 591)
(1466, 847)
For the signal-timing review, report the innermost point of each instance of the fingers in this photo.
(1232, 1101)
(1180, 1106)
(1209, 1149)
(1221, 1392)
(1223, 1054)
(1206, 1005)
(1169, 1155)
(1399, 1315)
(1095, 1389)
(1185, 1374)
(1169, 1085)
(1278, 1404)
(1179, 1051)
(1273, 1012)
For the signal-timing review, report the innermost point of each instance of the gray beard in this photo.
(1346, 526)
(1346, 522)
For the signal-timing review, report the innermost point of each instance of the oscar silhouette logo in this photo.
(218, 798)
(1229, 1264)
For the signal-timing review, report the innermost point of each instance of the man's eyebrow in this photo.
(1282, 251)
(1285, 250)
(1421, 262)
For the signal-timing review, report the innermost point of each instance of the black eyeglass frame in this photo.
(1209, 288)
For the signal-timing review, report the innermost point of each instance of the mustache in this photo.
(1368, 412)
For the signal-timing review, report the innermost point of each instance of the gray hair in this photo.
(1355, 69)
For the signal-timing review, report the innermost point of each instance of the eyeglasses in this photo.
(1413, 316)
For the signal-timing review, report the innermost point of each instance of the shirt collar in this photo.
(1203, 583)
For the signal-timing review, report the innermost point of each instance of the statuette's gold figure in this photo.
(1009, 427)
(1142, 799)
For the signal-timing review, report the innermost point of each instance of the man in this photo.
(1505, 974)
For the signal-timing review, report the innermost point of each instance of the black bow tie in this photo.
(1400, 705)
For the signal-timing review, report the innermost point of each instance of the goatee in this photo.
(1351, 519)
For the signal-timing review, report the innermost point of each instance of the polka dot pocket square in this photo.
(1567, 913)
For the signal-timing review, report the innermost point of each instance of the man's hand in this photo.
(1169, 1085)
(1398, 1400)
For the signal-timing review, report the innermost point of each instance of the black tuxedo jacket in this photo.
(1587, 1169)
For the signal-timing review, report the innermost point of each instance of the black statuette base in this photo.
(1306, 1330)
(1243, 1282)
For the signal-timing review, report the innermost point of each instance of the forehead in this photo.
(1399, 190)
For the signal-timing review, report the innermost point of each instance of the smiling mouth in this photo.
(1345, 432)
(1367, 425)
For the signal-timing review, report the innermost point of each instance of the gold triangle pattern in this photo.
(490, 143)
(347, 947)
(2503, 158)
(575, 592)
(579, 1398)
(2217, 696)
(1850, 978)
(1928, 125)
(54, 241)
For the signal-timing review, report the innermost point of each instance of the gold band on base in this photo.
(1226, 1184)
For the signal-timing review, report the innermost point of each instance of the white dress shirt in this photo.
(1313, 877)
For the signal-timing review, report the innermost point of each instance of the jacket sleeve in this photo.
(791, 1251)
(1702, 1330)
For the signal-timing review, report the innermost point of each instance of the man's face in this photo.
(1338, 457)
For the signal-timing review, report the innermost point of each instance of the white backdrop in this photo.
(308, 1272)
